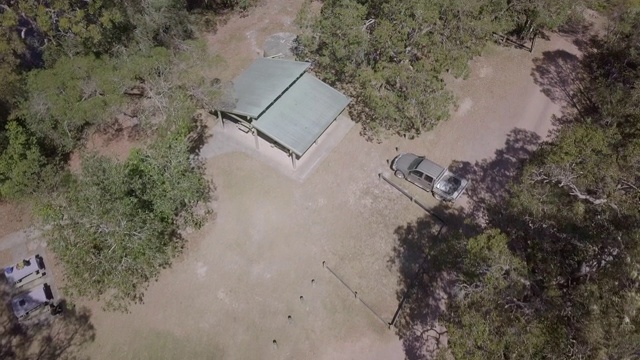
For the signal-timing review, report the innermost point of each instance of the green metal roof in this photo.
(261, 84)
(298, 118)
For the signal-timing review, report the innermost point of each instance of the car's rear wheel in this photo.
(399, 174)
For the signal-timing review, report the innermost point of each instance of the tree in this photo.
(492, 314)
(390, 56)
(118, 224)
(115, 225)
(573, 220)
(65, 99)
(526, 17)
(219, 5)
(50, 30)
(22, 166)
(163, 23)
(71, 26)
(86, 90)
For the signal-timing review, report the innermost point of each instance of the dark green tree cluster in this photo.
(558, 276)
(117, 224)
(220, 5)
(390, 55)
(69, 66)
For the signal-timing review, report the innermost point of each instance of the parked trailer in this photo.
(25, 271)
(28, 302)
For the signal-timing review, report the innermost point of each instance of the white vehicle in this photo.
(25, 271)
(26, 303)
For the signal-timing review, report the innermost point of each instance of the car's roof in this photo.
(430, 168)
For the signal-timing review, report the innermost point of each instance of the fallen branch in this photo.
(564, 178)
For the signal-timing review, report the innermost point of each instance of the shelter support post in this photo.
(255, 136)
(221, 118)
(293, 159)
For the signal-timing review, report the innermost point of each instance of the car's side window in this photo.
(428, 178)
(417, 173)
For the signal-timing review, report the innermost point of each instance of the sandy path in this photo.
(241, 39)
(499, 95)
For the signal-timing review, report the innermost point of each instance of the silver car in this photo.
(442, 183)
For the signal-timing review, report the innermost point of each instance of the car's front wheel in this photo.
(399, 174)
(438, 197)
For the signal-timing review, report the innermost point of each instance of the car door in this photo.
(421, 179)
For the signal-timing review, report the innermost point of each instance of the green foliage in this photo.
(11, 47)
(103, 58)
(343, 53)
(86, 90)
(115, 225)
(398, 99)
(21, 164)
(10, 87)
(118, 224)
(65, 99)
(220, 5)
(491, 315)
(529, 16)
(609, 7)
(112, 247)
(160, 23)
(71, 25)
(390, 56)
(573, 229)
(61, 28)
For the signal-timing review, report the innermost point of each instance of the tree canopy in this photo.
(21, 163)
(67, 67)
(390, 56)
(117, 224)
(70, 65)
(558, 276)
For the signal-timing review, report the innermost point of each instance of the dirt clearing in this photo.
(241, 39)
(260, 261)
(242, 276)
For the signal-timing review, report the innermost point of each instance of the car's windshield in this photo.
(414, 164)
(449, 184)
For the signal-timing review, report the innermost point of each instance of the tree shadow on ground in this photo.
(490, 178)
(556, 74)
(579, 31)
(429, 258)
(426, 254)
(199, 135)
(58, 337)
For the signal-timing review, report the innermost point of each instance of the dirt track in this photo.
(230, 294)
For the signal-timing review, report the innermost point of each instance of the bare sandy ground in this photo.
(242, 38)
(14, 217)
(229, 296)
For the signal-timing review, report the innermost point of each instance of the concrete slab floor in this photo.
(228, 138)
